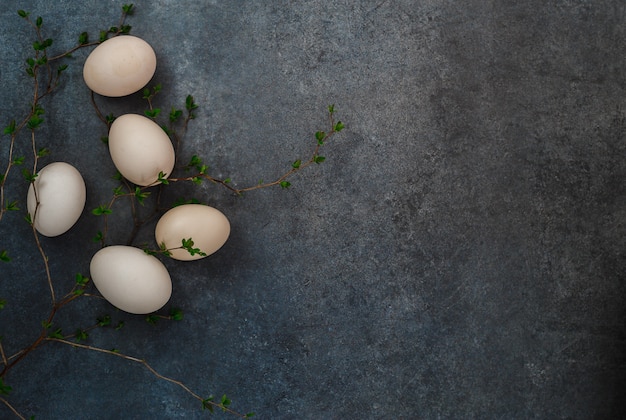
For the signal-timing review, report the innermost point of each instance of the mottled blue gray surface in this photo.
(460, 254)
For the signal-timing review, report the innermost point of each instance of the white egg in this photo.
(119, 66)
(140, 149)
(206, 226)
(130, 279)
(56, 198)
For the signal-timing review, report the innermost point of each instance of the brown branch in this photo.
(5, 402)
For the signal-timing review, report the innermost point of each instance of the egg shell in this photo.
(60, 190)
(119, 66)
(206, 226)
(140, 149)
(130, 279)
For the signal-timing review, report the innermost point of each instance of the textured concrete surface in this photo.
(460, 254)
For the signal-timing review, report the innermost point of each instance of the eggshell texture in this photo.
(61, 192)
(207, 226)
(130, 279)
(119, 66)
(140, 149)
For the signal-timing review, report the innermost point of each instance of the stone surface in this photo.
(460, 254)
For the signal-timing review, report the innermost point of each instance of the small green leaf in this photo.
(104, 321)
(152, 113)
(83, 38)
(101, 210)
(12, 206)
(99, 237)
(319, 159)
(56, 334)
(61, 69)
(207, 403)
(81, 335)
(43, 152)
(176, 314)
(39, 21)
(320, 137)
(81, 280)
(250, 414)
(119, 190)
(141, 195)
(225, 401)
(18, 160)
(119, 326)
(175, 114)
(28, 176)
(125, 29)
(113, 29)
(146, 93)
(10, 129)
(339, 126)
(3, 303)
(23, 13)
(4, 256)
(128, 9)
(331, 108)
(46, 324)
(285, 184)
(296, 164)
(28, 219)
(152, 319)
(103, 36)
(4, 388)
(163, 178)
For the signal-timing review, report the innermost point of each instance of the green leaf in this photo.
(119, 190)
(4, 256)
(296, 164)
(188, 245)
(152, 319)
(3, 303)
(152, 113)
(61, 69)
(163, 178)
(207, 403)
(103, 36)
(331, 108)
(4, 388)
(43, 152)
(175, 114)
(176, 314)
(141, 195)
(99, 236)
(250, 414)
(319, 159)
(119, 326)
(81, 335)
(146, 93)
(189, 103)
(46, 324)
(101, 210)
(23, 13)
(28, 219)
(125, 29)
(320, 136)
(81, 280)
(225, 401)
(128, 9)
(18, 160)
(83, 38)
(285, 184)
(339, 126)
(104, 321)
(28, 176)
(34, 122)
(12, 206)
(56, 334)
(39, 21)
(10, 129)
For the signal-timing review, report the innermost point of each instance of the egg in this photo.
(140, 149)
(206, 226)
(119, 66)
(56, 198)
(130, 279)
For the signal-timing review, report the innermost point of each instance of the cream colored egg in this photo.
(130, 279)
(206, 226)
(140, 149)
(119, 66)
(60, 191)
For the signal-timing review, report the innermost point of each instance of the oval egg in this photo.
(119, 66)
(56, 198)
(130, 279)
(140, 149)
(206, 226)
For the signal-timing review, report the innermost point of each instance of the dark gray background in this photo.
(460, 254)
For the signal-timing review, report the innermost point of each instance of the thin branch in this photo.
(145, 364)
(5, 402)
